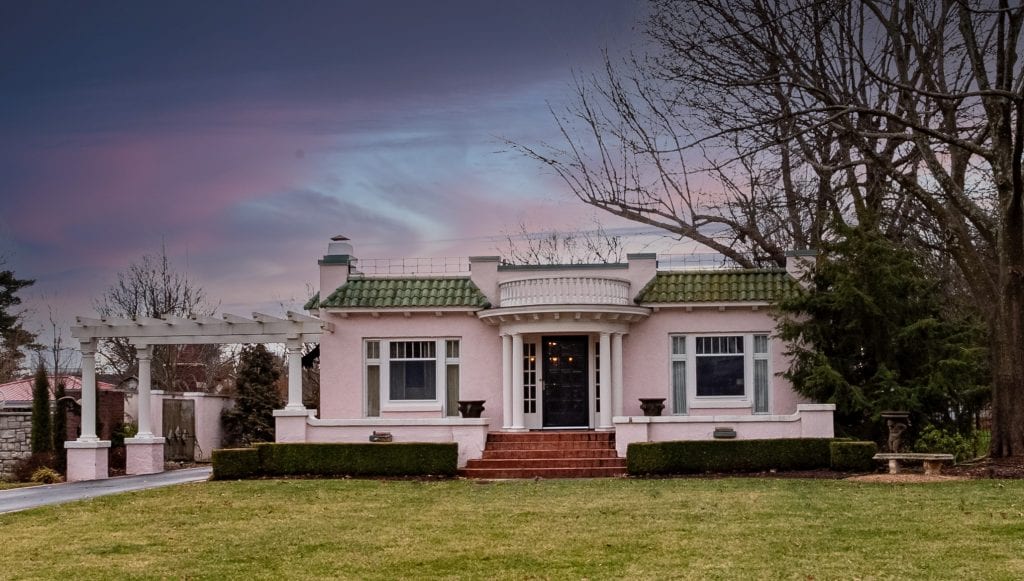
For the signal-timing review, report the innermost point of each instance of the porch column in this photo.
(144, 452)
(605, 417)
(518, 421)
(144, 355)
(87, 456)
(616, 374)
(506, 381)
(294, 350)
(88, 393)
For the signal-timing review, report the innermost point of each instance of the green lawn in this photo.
(736, 528)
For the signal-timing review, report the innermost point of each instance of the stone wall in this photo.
(15, 439)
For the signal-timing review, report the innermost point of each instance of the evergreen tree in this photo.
(60, 427)
(871, 333)
(256, 398)
(42, 435)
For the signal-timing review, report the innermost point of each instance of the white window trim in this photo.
(693, 401)
(441, 363)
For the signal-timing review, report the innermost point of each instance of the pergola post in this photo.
(290, 422)
(145, 452)
(87, 456)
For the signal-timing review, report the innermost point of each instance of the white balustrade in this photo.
(564, 290)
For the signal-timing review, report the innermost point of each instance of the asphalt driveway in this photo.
(25, 498)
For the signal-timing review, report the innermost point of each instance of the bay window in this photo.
(719, 371)
(411, 371)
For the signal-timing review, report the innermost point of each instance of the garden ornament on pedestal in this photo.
(897, 422)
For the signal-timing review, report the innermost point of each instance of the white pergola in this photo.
(87, 454)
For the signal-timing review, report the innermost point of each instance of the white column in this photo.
(518, 421)
(616, 374)
(88, 393)
(294, 350)
(605, 417)
(506, 381)
(144, 354)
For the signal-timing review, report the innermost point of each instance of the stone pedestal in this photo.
(144, 455)
(87, 460)
(290, 425)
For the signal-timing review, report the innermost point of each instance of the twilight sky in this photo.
(244, 134)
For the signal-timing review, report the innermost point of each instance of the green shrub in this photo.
(236, 463)
(378, 459)
(853, 456)
(46, 476)
(934, 440)
(727, 456)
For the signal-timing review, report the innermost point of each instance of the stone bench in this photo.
(932, 462)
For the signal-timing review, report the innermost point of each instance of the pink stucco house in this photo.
(551, 348)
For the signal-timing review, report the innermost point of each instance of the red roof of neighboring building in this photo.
(21, 391)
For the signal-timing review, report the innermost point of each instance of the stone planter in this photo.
(652, 406)
(471, 408)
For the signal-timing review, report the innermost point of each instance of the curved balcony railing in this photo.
(564, 290)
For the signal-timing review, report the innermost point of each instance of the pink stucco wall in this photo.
(341, 365)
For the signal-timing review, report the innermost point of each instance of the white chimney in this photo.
(800, 262)
(335, 265)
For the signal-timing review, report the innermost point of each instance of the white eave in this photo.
(620, 313)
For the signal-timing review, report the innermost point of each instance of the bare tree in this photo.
(594, 246)
(152, 288)
(751, 125)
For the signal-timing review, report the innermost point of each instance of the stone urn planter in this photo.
(471, 408)
(652, 406)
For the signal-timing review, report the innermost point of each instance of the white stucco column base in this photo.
(144, 455)
(87, 460)
(515, 429)
(290, 425)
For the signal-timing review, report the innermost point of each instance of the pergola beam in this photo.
(260, 328)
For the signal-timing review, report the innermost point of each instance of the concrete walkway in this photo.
(25, 498)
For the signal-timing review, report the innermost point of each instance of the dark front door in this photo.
(565, 381)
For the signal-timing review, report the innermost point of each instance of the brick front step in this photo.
(562, 454)
(549, 463)
(490, 454)
(542, 472)
(548, 445)
(551, 437)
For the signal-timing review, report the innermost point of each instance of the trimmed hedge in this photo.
(236, 463)
(687, 457)
(307, 459)
(853, 456)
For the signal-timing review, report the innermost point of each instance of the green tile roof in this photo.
(386, 293)
(716, 286)
(312, 303)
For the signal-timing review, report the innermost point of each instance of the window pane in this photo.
(719, 345)
(760, 343)
(373, 390)
(373, 349)
(451, 349)
(761, 386)
(413, 349)
(679, 387)
(679, 345)
(415, 380)
(719, 376)
(452, 388)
